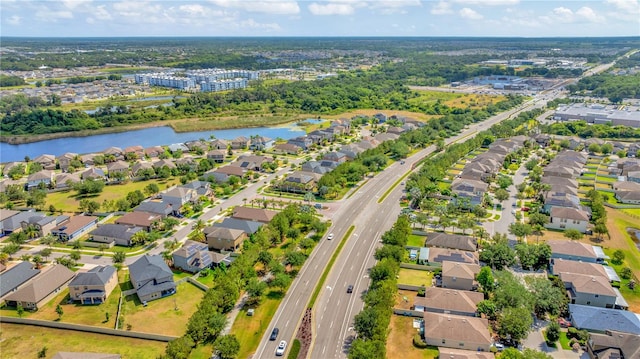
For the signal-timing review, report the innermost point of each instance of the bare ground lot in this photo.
(400, 341)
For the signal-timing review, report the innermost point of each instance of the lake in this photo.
(154, 136)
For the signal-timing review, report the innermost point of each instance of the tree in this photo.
(20, 310)
(498, 255)
(88, 206)
(60, 311)
(139, 238)
(42, 353)
(553, 332)
(4, 258)
(488, 308)
(118, 257)
(486, 280)
(617, 257)
(573, 233)
(594, 148)
(295, 258)
(75, 255)
(255, 288)
(502, 195)
(45, 253)
(227, 346)
(180, 348)
(601, 229)
(281, 281)
(527, 353)
(367, 349)
(515, 323)
(520, 229)
(151, 189)
(309, 197)
(547, 297)
(365, 322)
(538, 219)
(504, 182)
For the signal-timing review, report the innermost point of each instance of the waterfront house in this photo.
(454, 331)
(192, 257)
(260, 143)
(89, 158)
(219, 144)
(12, 278)
(40, 289)
(48, 162)
(64, 161)
(175, 147)
(9, 165)
(117, 167)
(93, 286)
(74, 227)
(197, 145)
(44, 176)
(116, 152)
(302, 142)
(240, 143)
(153, 151)
(134, 152)
(151, 278)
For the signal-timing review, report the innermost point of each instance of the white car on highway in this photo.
(330, 236)
(281, 348)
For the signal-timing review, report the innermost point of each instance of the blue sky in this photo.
(62, 18)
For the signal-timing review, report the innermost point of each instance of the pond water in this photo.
(635, 236)
(154, 136)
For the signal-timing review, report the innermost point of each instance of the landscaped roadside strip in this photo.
(393, 186)
(327, 269)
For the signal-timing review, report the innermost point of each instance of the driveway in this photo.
(536, 341)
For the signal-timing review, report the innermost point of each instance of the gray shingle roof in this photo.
(42, 285)
(151, 269)
(96, 276)
(119, 231)
(15, 276)
(248, 227)
(602, 319)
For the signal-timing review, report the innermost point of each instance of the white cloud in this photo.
(252, 24)
(193, 9)
(562, 14)
(331, 9)
(72, 4)
(627, 6)
(101, 13)
(588, 14)
(470, 14)
(441, 8)
(14, 20)
(389, 7)
(276, 7)
(488, 2)
(53, 15)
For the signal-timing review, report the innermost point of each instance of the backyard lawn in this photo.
(400, 341)
(415, 277)
(416, 240)
(67, 202)
(167, 316)
(250, 329)
(24, 341)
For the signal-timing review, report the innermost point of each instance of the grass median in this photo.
(320, 284)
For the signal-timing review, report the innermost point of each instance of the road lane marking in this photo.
(286, 325)
(331, 325)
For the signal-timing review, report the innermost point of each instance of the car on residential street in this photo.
(281, 348)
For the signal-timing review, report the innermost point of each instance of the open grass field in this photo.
(633, 212)
(249, 330)
(160, 316)
(416, 240)
(24, 341)
(68, 201)
(415, 277)
(400, 341)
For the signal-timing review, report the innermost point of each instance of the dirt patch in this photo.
(404, 299)
(400, 341)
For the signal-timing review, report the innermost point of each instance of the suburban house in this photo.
(303, 142)
(66, 180)
(453, 241)
(457, 275)
(248, 227)
(454, 331)
(115, 152)
(117, 167)
(162, 209)
(11, 222)
(42, 223)
(12, 278)
(563, 218)
(627, 192)
(41, 289)
(253, 214)
(219, 144)
(151, 278)
(473, 190)
(558, 265)
(222, 174)
(179, 196)
(239, 143)
(287, 148)
(613, 345)
(252, 163)
(299, 182)
(260, 143)
(202, 188)
(338, 157)
(117, 234)
(224, 239)
(44, 176)
(439, 255)
(141, 167)
(576, 251)
(192, 257)
(94, 286)
(163, 163)
(175, 147)
(93, 173)
(74, 227)
(449, 301)
(136, 151)
(216, 156)
(601, 320)
(560, 199)
(140, 219)
(48, 162)
(153, 151)
(595, 291)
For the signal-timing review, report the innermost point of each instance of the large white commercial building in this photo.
(597, 113)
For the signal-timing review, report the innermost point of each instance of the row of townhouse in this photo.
(561, 201)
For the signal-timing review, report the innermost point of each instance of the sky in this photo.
(493, 18)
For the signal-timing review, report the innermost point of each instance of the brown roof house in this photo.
(563, 218)
(48, 162)
(253, 214)
(576, 251)
(94, 286)
(590, 290)
(455, 331)
(74, 227)
(449, 301)
(558, 265)
(613, 345)
(453, 241)
(224, 239)
(41, 289)
(459, 275)
(117, 167)
(141, 219)
(439, 255)
(450, 353)
(216, 156)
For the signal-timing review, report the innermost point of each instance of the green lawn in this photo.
(564, 341)
(250, 329)
(631, 296)
(24, 341)
(632, 211)
(415, 240)
(68, 202)
(415, 277)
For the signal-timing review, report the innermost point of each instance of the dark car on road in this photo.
(350, 288)
(274, 334)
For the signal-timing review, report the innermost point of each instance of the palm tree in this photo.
(168, 258)
(32, 231)
(140, 237)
